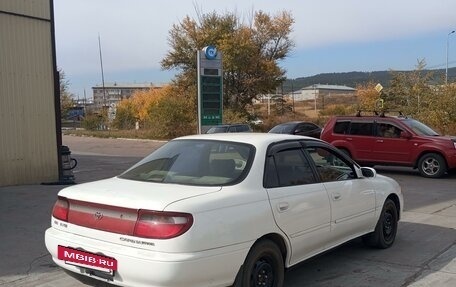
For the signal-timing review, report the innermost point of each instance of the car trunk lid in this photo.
(126, 207)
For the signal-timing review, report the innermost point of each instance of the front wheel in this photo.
(386, 228)
(432, 165)
(263, 266)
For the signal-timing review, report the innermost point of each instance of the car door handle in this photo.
(336, 196)
(379, 141)
(282, 206)
(349, 139)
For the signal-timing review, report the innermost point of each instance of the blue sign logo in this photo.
(210, 52)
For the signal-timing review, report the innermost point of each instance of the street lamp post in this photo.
(448, 43)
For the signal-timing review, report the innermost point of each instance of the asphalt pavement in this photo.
(424, 253)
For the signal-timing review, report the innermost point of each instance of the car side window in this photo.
(270, 175)
(361, 128)
(388, 130)
(330, 165)
(341, 127)
(288, 168)
(312, 127)
(306, 127)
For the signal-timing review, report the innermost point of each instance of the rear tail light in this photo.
(141, 223)
(61, 208)
(162, 225)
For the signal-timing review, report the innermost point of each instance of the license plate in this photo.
(86, 259)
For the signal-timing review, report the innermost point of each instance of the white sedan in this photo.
(221, 210)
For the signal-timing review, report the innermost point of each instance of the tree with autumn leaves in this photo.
(251, 52)
(161, 111)
(251, 55)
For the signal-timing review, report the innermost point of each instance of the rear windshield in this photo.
(195, 162)
(216, 130)
(282, 129)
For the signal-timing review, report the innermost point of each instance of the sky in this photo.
(330, 36)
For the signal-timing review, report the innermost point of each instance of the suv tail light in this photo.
(61, 208)
(162, 225)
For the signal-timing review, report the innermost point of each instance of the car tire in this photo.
(263, 266)
(432, 165)
(386, 229)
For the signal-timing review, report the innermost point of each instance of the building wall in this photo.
(116, 93)
(310, 94)
(28, 140)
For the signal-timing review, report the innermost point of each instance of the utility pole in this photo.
(292, 94)
(102, 72)
(448, 43)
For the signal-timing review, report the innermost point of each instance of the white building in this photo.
(316, 91)
(112, 93)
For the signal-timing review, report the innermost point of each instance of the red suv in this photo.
(387, 140)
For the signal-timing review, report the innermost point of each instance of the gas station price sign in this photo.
(210, 87)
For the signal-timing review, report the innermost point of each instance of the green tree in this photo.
(281, 106)
(441, 111)
(421, 96)
(410, 92)
(66, 98)
(251, 52)
(94, 121)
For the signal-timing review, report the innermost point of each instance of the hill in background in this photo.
(352, 79)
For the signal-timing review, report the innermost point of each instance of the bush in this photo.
(93, 122)
(171, 117)
(125, 116)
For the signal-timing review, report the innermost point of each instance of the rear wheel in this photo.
(263, 266)
(432, 165)
(386, 228)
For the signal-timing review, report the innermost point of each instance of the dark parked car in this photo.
(297, 128)
(231, 128)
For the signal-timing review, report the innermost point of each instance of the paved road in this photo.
(423, 255)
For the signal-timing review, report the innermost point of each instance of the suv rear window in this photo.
(361, 128)
(341, 127)
(353, 128)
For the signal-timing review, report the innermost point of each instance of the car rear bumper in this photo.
(139, 267)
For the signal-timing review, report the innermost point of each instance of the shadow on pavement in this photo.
(26, 211)
(354, 264)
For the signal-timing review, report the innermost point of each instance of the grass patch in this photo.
(131, 134)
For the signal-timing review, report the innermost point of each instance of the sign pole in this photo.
(198, 68)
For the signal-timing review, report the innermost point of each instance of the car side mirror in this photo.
(368, 172)
(405, 135)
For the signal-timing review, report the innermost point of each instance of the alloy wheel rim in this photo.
(431, 166)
